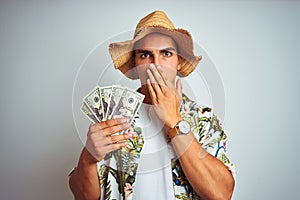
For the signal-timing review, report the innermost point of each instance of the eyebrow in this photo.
(169, 49)
(142, 51)
(146, 51)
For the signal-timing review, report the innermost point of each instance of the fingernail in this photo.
(148, 71)
(152, 65)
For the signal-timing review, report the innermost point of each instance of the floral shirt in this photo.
(117, 172)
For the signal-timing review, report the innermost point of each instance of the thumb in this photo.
(179, 89)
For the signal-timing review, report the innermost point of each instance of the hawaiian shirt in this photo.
(117, 172)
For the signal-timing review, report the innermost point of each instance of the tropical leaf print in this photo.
(206, 128)
(208, 131)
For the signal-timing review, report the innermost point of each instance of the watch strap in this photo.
(173, 132)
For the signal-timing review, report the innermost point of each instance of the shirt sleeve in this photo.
(214, 141)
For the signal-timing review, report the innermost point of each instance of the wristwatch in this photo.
(181, 128)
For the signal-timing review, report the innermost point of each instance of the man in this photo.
(179, 153)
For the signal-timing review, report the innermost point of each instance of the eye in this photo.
(144, 55)
(168, 53)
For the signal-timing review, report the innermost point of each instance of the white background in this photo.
(254, 44)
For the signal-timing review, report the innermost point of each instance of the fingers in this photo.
(115, 129)
(159, 85)
(113, 147)
(110, 127)
(154, 81)
(99, 151)
(179, 89)
(100, 140)
(152, 92)
(158, 75)
(118, 138)
(162, 73)
(113, 122)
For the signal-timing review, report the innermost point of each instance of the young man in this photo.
(176, 148)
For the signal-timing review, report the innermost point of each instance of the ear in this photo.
(179, 63)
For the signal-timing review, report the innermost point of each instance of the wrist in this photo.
(174, 122)
(86, 162)
(87, 157)
(182, 127)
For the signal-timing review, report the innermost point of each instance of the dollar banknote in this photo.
(88, 113)
(128, 105)
(108, 102)
(116, 94)
(94, 102)
(105, 93)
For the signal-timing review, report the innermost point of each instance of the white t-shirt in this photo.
(154, 174)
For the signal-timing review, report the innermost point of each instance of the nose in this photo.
(156, 59)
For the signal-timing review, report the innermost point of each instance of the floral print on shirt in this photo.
(209, 133)
(119, 179)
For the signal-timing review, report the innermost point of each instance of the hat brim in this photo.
(121, 52)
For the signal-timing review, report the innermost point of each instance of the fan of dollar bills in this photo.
(109, 102)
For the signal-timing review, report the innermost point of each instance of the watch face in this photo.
(184, 127)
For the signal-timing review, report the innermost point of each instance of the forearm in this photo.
(84, 181)
(209, 177)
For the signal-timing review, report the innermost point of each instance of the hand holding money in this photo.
(101, 138)
(111, 109)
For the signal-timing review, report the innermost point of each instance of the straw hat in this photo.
(157, 21)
